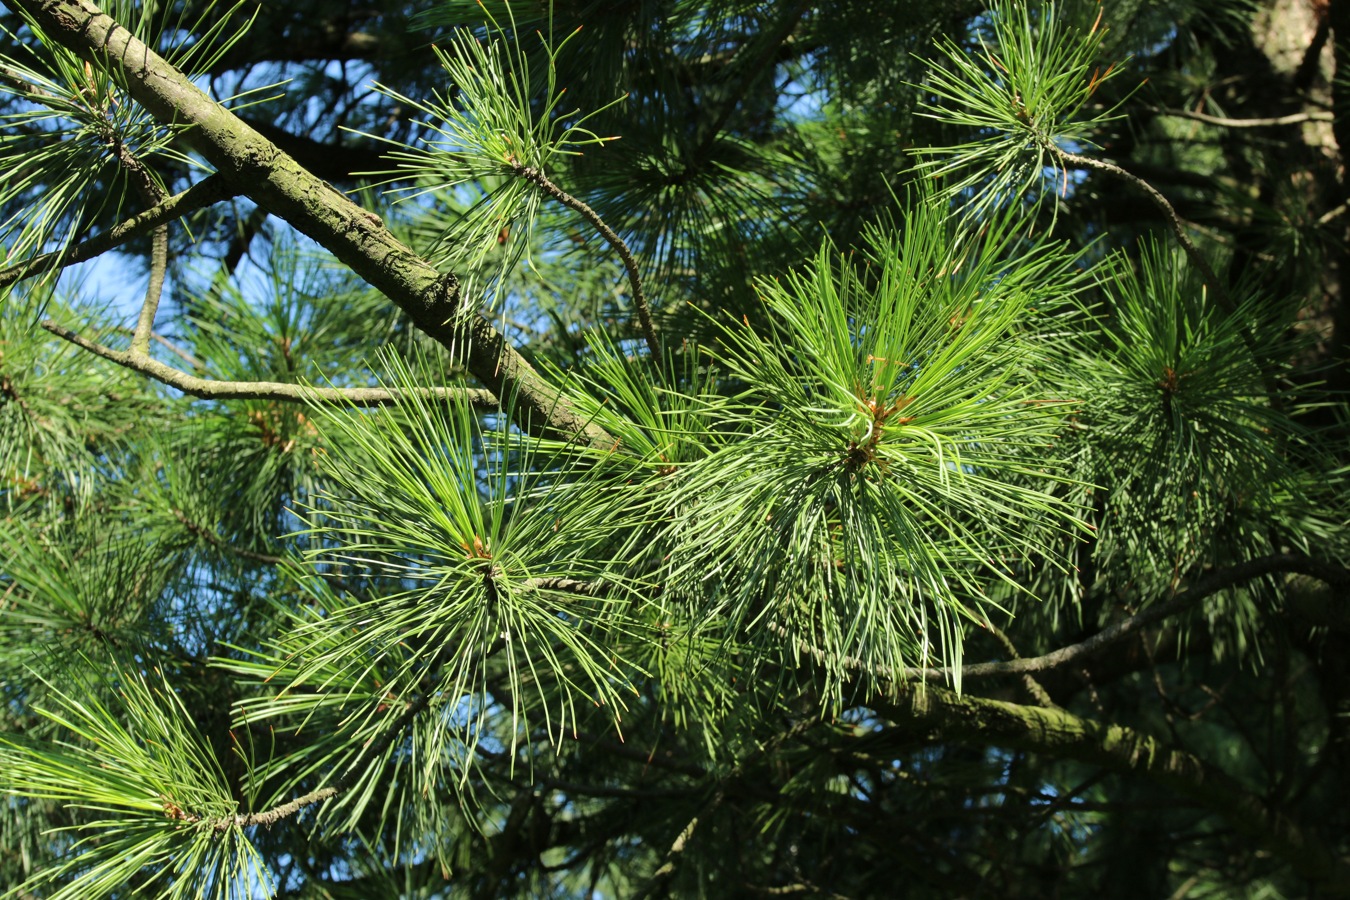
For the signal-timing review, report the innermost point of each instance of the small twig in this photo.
(644, 313)
(214, 540)
(1330, 573)
(178, 351)
(208, 389)
(1328, 217)
(569, 586)
(1034, 687)
(1178, 227)
(154, 289)
(269, 817)
(1217, 290)
(662, 875)
(204, 193)
(171, 347)
(1205, 587)
(1224, 122)
(153, 195)
(343, 780)
(278, 813)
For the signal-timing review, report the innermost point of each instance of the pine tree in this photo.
(671, 449)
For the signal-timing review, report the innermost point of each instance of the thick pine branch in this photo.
(276, 182)
(1059, 734)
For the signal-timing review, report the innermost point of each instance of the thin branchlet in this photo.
(209, 389)
(640, 306)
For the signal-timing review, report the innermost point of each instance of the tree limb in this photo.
(208, 389)
(204, 193)
(278, 183)
(1056, 733)
(1224, 122)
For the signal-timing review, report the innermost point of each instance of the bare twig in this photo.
(204, 193)
(1205, 587)
(171, 347)
(277, 813)
(153, 195)
(206, 534)
(644, 313)
(1331, 573)
(1224, 122)
(1034, 687)
(570, 586)
(267, 818)
(1333, 214)
(209, 389)
(662, 875)
(154, 288)
(1174, 220)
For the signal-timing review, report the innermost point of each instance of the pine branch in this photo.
(208, 191)
(1224, 122)
(208, 389)
(946, 716)
(1178, 227)
(1217, 290)
(644, 313)
(278, 183)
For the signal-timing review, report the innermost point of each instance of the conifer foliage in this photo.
(668, 449)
